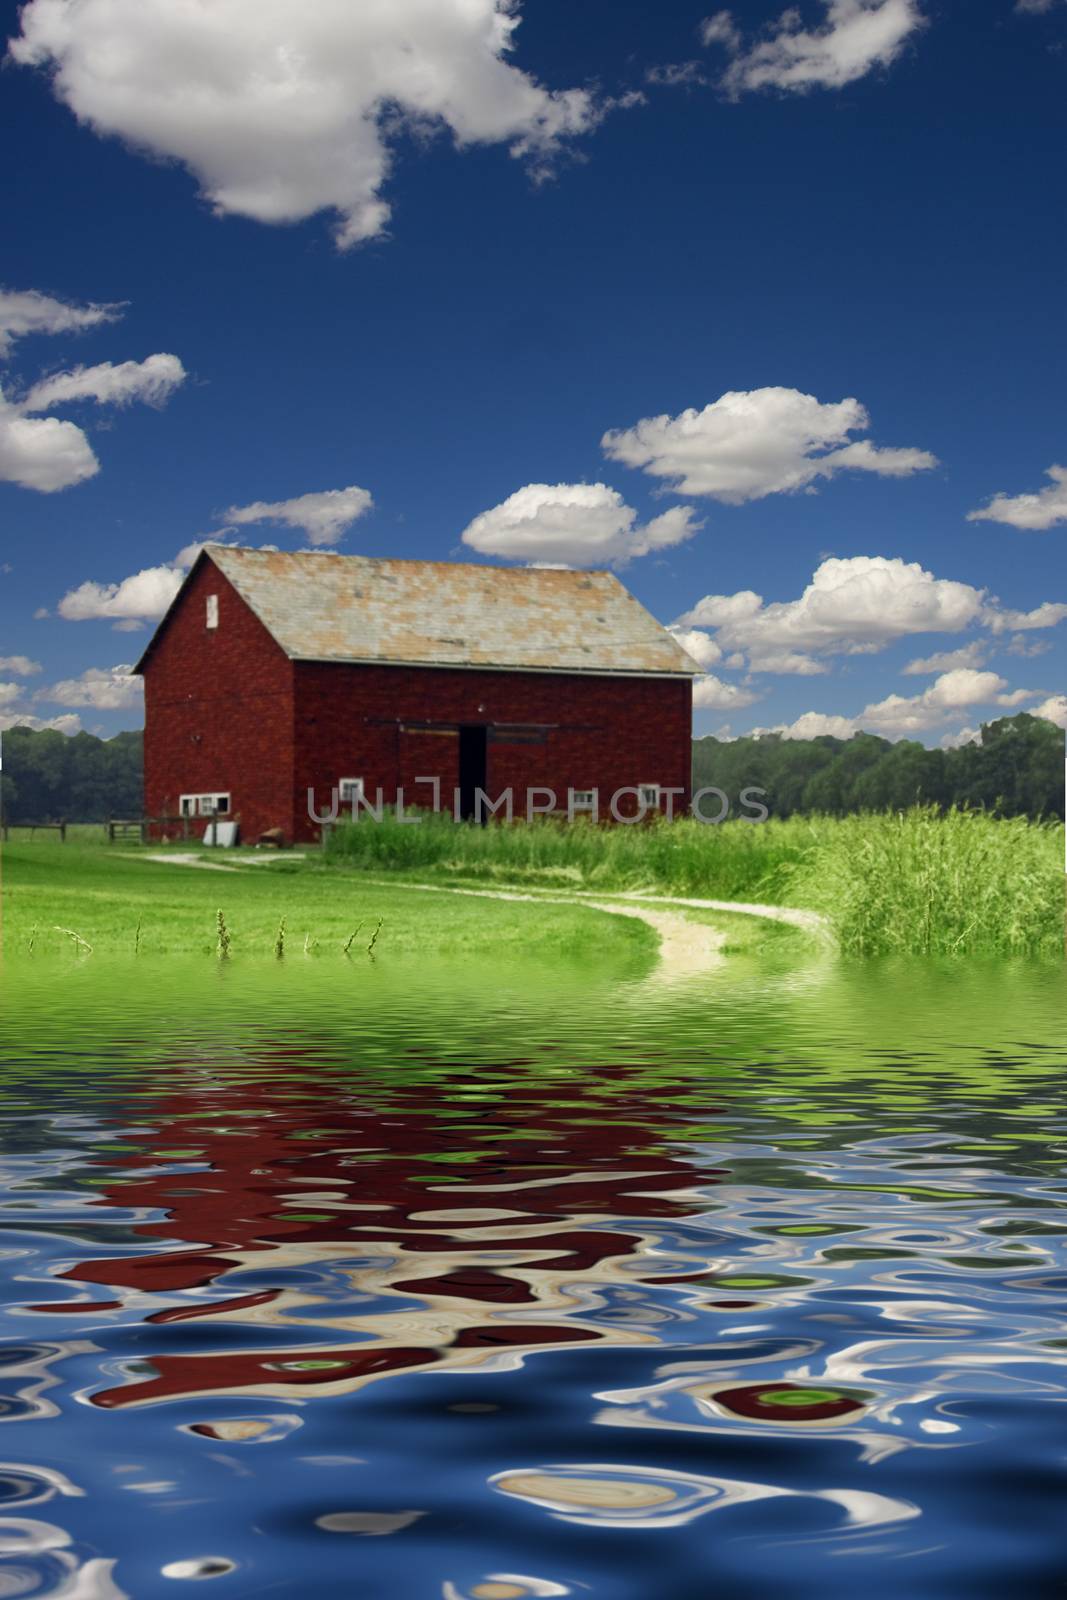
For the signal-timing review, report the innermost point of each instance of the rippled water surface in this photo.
(383, 1282)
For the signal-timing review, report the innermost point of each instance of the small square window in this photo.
(650, 795)
(212, 619)
(203, 805)
(582, 799)
(349, 790)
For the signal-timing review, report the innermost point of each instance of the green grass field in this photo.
(911, 883)
(102, 893)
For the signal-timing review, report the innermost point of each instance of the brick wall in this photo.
(598, 733)
(219, 711)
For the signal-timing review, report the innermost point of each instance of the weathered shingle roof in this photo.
(322, 607)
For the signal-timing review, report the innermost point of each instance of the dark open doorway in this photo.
(473, 766)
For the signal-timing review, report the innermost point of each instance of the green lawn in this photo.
(101, 893)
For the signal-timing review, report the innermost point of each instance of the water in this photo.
(386, 1282)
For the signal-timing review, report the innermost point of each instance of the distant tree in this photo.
(907, 775)
(833, 787)
(1015, 769)
(49, 775)
(8, 797)
(794, 768)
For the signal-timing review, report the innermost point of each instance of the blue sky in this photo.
(629, 216)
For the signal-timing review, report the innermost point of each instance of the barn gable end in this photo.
(219, 707)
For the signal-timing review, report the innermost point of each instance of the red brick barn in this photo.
(277, 675)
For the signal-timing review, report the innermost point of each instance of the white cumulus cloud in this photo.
(68, 723)
(853, 605)
(26, 311)
(794, 662)
(103, 688)
(144, 594)
(752, 443)
(901, 716)
(1046, 615)
(904, 714)
(953, 741)
(1031, 512)
(711, 693)
(21, 666)
(968, 655)
(854, 38)
(580, 524)
(324, 517)
(677, 74)
(282, 110)
(43, 453)
(701, 646)
(46, 453)
(1022, 646)
(813, 725)
(1054, 709)
(152, 381)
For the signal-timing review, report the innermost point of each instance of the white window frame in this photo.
(350, 789)
(583, 799)
(205, 805)
(211, 613)
(650, 795)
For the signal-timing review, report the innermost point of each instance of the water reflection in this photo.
(344, 1232)
(493, 1290)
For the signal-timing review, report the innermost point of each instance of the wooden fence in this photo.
(55, 827)
(121, 830)
(125, 829)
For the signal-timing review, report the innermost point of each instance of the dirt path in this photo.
(182, 858)
(188, 858)
(811, 921)
(686, 948)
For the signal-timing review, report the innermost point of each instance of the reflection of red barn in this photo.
(274, 673)
(449, 1271)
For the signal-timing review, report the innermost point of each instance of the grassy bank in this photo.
(917, 882)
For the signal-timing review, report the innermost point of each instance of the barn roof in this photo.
(323, 607)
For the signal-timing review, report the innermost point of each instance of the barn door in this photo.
(473, 765)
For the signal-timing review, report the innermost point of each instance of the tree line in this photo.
(50, 776)
(1016, 770)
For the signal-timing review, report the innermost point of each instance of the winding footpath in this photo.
(686, 948)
